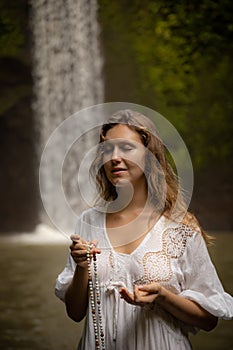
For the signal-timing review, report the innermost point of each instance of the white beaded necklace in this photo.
(94, 294)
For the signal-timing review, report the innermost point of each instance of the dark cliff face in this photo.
(18, 139)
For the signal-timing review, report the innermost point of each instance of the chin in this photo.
(121, 182)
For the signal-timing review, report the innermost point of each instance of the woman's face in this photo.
(124, 156)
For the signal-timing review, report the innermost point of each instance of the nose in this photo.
(116, 155)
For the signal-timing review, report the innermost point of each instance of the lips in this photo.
(117, 171)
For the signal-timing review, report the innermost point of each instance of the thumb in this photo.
(74, 237)
(146, 288)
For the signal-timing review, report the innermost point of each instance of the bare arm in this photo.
(183, 309)
(76, 298)
(187, 311)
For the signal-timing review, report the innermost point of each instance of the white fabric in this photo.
(176, 257)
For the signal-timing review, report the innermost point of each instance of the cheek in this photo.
(139, 160)
(106, 167)
(106, 159)
(137, 164)
(106, 162)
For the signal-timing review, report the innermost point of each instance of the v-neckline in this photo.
(145, 239)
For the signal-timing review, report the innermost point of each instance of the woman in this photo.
(156, 281)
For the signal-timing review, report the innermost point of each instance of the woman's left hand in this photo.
(142, 295)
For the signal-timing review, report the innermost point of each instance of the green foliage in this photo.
(180, 53)
(13, 24)
(14, 54)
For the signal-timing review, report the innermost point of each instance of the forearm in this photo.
(76, 298)
(186, 310)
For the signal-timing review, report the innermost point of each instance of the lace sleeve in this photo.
(202, 283)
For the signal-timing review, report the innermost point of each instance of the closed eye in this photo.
(127, 147)
(108, 148)
(124, 147)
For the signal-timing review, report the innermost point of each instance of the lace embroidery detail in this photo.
(175, 240)
(115, 266)
(157, 265)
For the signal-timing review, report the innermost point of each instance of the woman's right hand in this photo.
(78, 250)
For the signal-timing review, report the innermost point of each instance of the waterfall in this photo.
(67, 78)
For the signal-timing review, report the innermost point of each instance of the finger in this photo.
(95, 249)
(78, 258)
(137, 296)
(78, 242)
(79, 246)
(140, 297)
(125, 291)
(149, 299)
(94, 242)
(127, 296)
(150, 288)
(128, 299)
(78, 254)
(75, 237)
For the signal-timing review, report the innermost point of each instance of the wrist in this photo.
(81, 268)
(162, 296)
(80, 274)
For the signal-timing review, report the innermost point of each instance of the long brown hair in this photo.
(161, 178)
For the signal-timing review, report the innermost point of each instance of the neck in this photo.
(130, 199)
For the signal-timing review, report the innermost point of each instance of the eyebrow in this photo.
(121, 141)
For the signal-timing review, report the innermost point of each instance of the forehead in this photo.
(122, 131)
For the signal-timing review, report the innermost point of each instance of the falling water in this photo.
(67, 78)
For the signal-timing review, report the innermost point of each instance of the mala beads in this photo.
(94, 294)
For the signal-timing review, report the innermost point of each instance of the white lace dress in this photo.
(176, 257)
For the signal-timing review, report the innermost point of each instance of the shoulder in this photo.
(90, 216)
(178, 237)
(180, 226)
(186, 226)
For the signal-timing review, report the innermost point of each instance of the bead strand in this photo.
(94, 294)
(96, 281)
